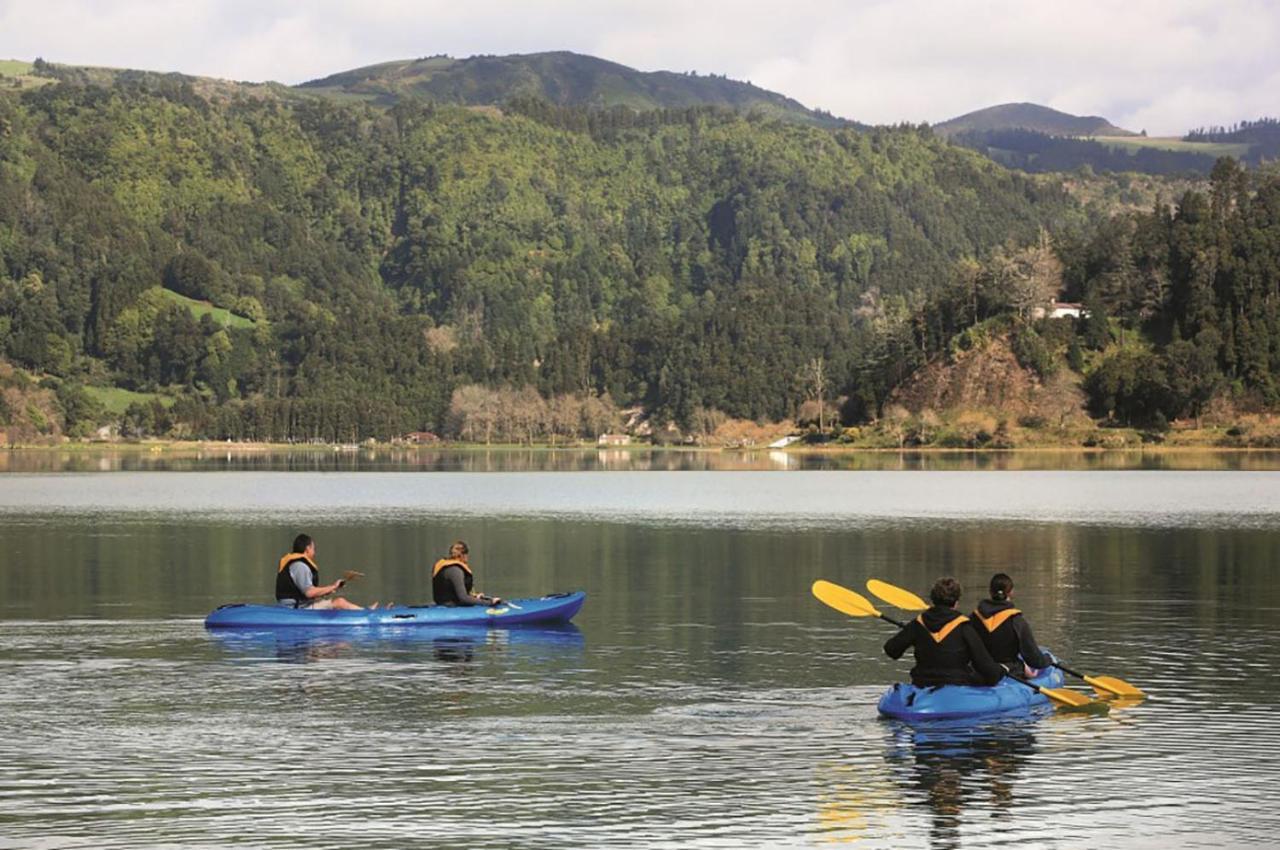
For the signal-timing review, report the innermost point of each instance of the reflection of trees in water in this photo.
(954, 772)
(323, 458)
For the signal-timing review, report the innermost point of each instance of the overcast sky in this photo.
(1160, 65)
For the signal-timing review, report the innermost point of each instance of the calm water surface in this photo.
(703, 697)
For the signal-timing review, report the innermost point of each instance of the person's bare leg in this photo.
(339, 602)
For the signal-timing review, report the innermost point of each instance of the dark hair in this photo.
(301, 542)
(1001, 584)
(458, 547)
(945, 592)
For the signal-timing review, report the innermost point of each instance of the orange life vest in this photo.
(285, 588)
(448, 562)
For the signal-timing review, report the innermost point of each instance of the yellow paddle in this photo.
(908, 601)
(896, 596)
(854, 604)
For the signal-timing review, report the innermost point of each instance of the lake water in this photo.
(704, 697)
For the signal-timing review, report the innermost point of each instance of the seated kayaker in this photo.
(1006, 633)
(947, 647)
(452, 581)
(298, 580)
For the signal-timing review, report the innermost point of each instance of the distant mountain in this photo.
(561, 78)
(1029, 116)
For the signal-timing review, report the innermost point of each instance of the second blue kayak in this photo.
(955, 702)
(554, 608)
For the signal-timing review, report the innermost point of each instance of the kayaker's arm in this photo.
(899, 643)
(986, 666)
(1027, 645)
(301, 576)
(455, 578)
(315, 592)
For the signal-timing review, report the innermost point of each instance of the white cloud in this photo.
(1165, 66)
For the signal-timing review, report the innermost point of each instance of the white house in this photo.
(1060, 310)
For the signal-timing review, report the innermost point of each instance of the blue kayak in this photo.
(555, 608)
(956, 702)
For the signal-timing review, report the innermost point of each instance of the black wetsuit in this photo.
(959, 659)
(452, 586)
(1011, 638)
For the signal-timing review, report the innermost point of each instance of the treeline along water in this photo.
(704, 697)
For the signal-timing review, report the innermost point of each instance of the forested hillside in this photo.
(362, 265)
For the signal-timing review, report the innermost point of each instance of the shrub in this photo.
(1031, 351)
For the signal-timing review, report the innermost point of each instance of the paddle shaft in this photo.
(1067, 669)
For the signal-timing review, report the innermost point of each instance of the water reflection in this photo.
(952, 771)
(219, 457)
(452, 644)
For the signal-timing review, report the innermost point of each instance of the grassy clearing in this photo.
(116, 399)
(15, 75)
(220, 315)
(1132, 144)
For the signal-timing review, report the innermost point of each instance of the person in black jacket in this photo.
(947, 647)
(1006, 633)
(452, 582)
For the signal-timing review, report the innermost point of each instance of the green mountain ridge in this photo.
(561, 78)
(1029, 116)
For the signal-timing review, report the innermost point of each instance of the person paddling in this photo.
(947, 648)
(1005, 632)
(298, 580)
(452, 581)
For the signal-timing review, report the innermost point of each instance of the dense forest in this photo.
(1198, 290)
(245, 266)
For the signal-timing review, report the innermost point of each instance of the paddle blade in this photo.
(1071, 699)
(843, 599)
(350, 575)
(1115, 687)
(895, 596)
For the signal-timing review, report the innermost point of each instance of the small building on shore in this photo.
(421, 438)
(1060, 310)
(613, 440)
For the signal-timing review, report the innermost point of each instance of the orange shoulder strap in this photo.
(941, 634)
(295, 556)
(996, 620)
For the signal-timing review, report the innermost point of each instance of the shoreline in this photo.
(165, 446)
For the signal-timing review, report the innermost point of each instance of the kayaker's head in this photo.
(458, 551)
(1001, 588)
(945, 592)
(304, 545)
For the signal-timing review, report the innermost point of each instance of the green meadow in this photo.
(117, 399)
(1171, 143)
(221, 315)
